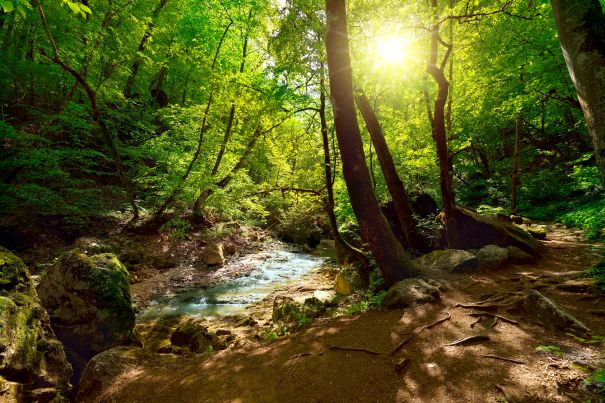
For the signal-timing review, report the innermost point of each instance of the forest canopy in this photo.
(181, 110)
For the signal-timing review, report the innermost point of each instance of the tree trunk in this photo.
(440, 134)
(515, 174)
(392, 260)
(394, 183)
(221, 184)
(581, 28)
(344, 251)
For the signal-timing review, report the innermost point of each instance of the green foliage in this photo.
(489, 210)
(178, 228)
(593, 339)
(597, 380)
(598, 273)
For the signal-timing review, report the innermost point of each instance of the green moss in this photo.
(11, 268)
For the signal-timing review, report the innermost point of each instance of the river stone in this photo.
(213, 255)
(517, 256)
(342, 285)
(492, 257)
(410, 292)
(185, 332)
(451, 260)
(550, 314)
(33, 366)
(88, 300)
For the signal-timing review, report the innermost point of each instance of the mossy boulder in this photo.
(88, 300)
(410, 292)
(450, 260)
(474, 231)
(33, 365)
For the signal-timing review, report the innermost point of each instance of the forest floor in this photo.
(351, 359)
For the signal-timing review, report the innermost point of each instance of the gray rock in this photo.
(451, 260)
(33, 366)
(410, 292)
(492, 257)
(518, 256)
(550, 314)
(213, 255)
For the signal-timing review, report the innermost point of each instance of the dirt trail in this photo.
(321, 363)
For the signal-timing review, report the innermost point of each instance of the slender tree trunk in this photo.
(136, 64)
(168, 202)
(344, 250)
(393, 261)
(440, 133)
(515, 174)
(403, 208)
(95, 112)
(221, 184)
(581, 28)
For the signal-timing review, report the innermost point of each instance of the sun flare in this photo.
(392, 49)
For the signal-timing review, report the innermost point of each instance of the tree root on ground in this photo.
(469, 339)
(421, 329)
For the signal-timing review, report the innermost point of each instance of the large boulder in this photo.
(492, 257)
(475, 231)
(410, 292)
(551, 315)
(88, 300)
(451, 260)
(33, 366)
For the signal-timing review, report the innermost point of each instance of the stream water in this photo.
(231, 297)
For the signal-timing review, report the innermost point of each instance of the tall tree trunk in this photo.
(95, 112)
(344, 251)
(581, 28)
(136, 64)
(393, 261)
(515, 174)
(440, 134)
(403, 208)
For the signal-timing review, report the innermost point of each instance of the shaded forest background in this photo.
(199, 112)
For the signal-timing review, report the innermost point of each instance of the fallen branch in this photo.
(504, 318)
(363, 350)
(420, 330)
(494, 322)
(469, 339)
(290, 370)
(497, 357)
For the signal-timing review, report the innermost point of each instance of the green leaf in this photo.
(7, 6)
(85, 9)
(74, 7)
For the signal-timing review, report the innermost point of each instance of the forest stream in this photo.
(270, 270)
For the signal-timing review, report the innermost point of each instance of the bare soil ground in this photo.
(351, 359)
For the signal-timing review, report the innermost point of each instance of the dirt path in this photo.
(320, 364)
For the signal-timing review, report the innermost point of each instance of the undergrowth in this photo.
(598, 273)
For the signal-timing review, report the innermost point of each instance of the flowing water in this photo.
(231, 297)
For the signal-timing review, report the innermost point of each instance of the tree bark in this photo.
(440, 133)
(403, 208)
(515, 174)
(344, 251)
(393, 261)
(581, 28)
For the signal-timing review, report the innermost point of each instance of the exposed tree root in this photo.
(469, 339)
(420, 330)
(363, 350)
(497, 357)
(400, 365)
(504, 318)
